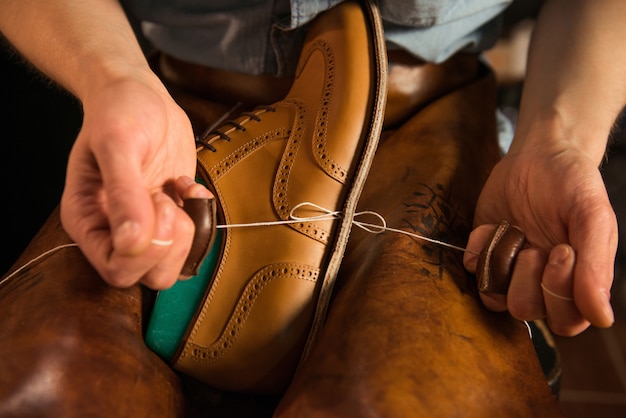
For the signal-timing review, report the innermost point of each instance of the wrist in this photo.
(115, 73)
(554, 130)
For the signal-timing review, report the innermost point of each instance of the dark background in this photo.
(38, 124)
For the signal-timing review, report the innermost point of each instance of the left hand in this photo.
(131, 166)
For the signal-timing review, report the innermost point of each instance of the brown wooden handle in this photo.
(496, 261)
(202, 212)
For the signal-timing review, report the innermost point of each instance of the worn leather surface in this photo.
(496, 261)
(230, 87)
(406, 335)
(72, 346)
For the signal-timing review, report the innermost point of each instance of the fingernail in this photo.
(125, 235)
(559, 255)
(606, 306)
(198, 191)
(187, 181)
(202, 192)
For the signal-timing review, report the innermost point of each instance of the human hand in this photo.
(130, 167)
(558, 198)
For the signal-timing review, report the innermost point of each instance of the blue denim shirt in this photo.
(265, 36)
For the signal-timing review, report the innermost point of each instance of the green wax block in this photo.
(175, 307)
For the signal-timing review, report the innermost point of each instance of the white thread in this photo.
(530, 330)
(161, 242)
(331, 215)
(324, 216)
(39, 257)
(556, 295)
(327, 215)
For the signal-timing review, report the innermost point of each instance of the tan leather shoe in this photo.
(269, 292)
(407, 335)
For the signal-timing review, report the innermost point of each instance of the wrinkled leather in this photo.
(411, 84)
(406, 335)
(230, 87)
(496, 260)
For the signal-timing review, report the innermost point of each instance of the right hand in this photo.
(132, 163)
(556, 195)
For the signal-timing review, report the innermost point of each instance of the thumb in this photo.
(596, 245)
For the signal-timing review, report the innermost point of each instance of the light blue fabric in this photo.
(265, 36)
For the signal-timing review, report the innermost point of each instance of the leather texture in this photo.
(230, 87)
(72, 346)
(406, 334)
(496, 261)
(269, 293)
(202, 212)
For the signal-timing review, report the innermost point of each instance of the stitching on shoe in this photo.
(320, 145)
(281, 182)
(320, 150)
(243, 308)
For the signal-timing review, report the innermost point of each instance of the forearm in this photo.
(575, 85)
(79, 44)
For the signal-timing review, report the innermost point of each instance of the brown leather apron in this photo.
(406, 334)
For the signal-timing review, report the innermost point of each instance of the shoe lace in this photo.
(216, 131)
